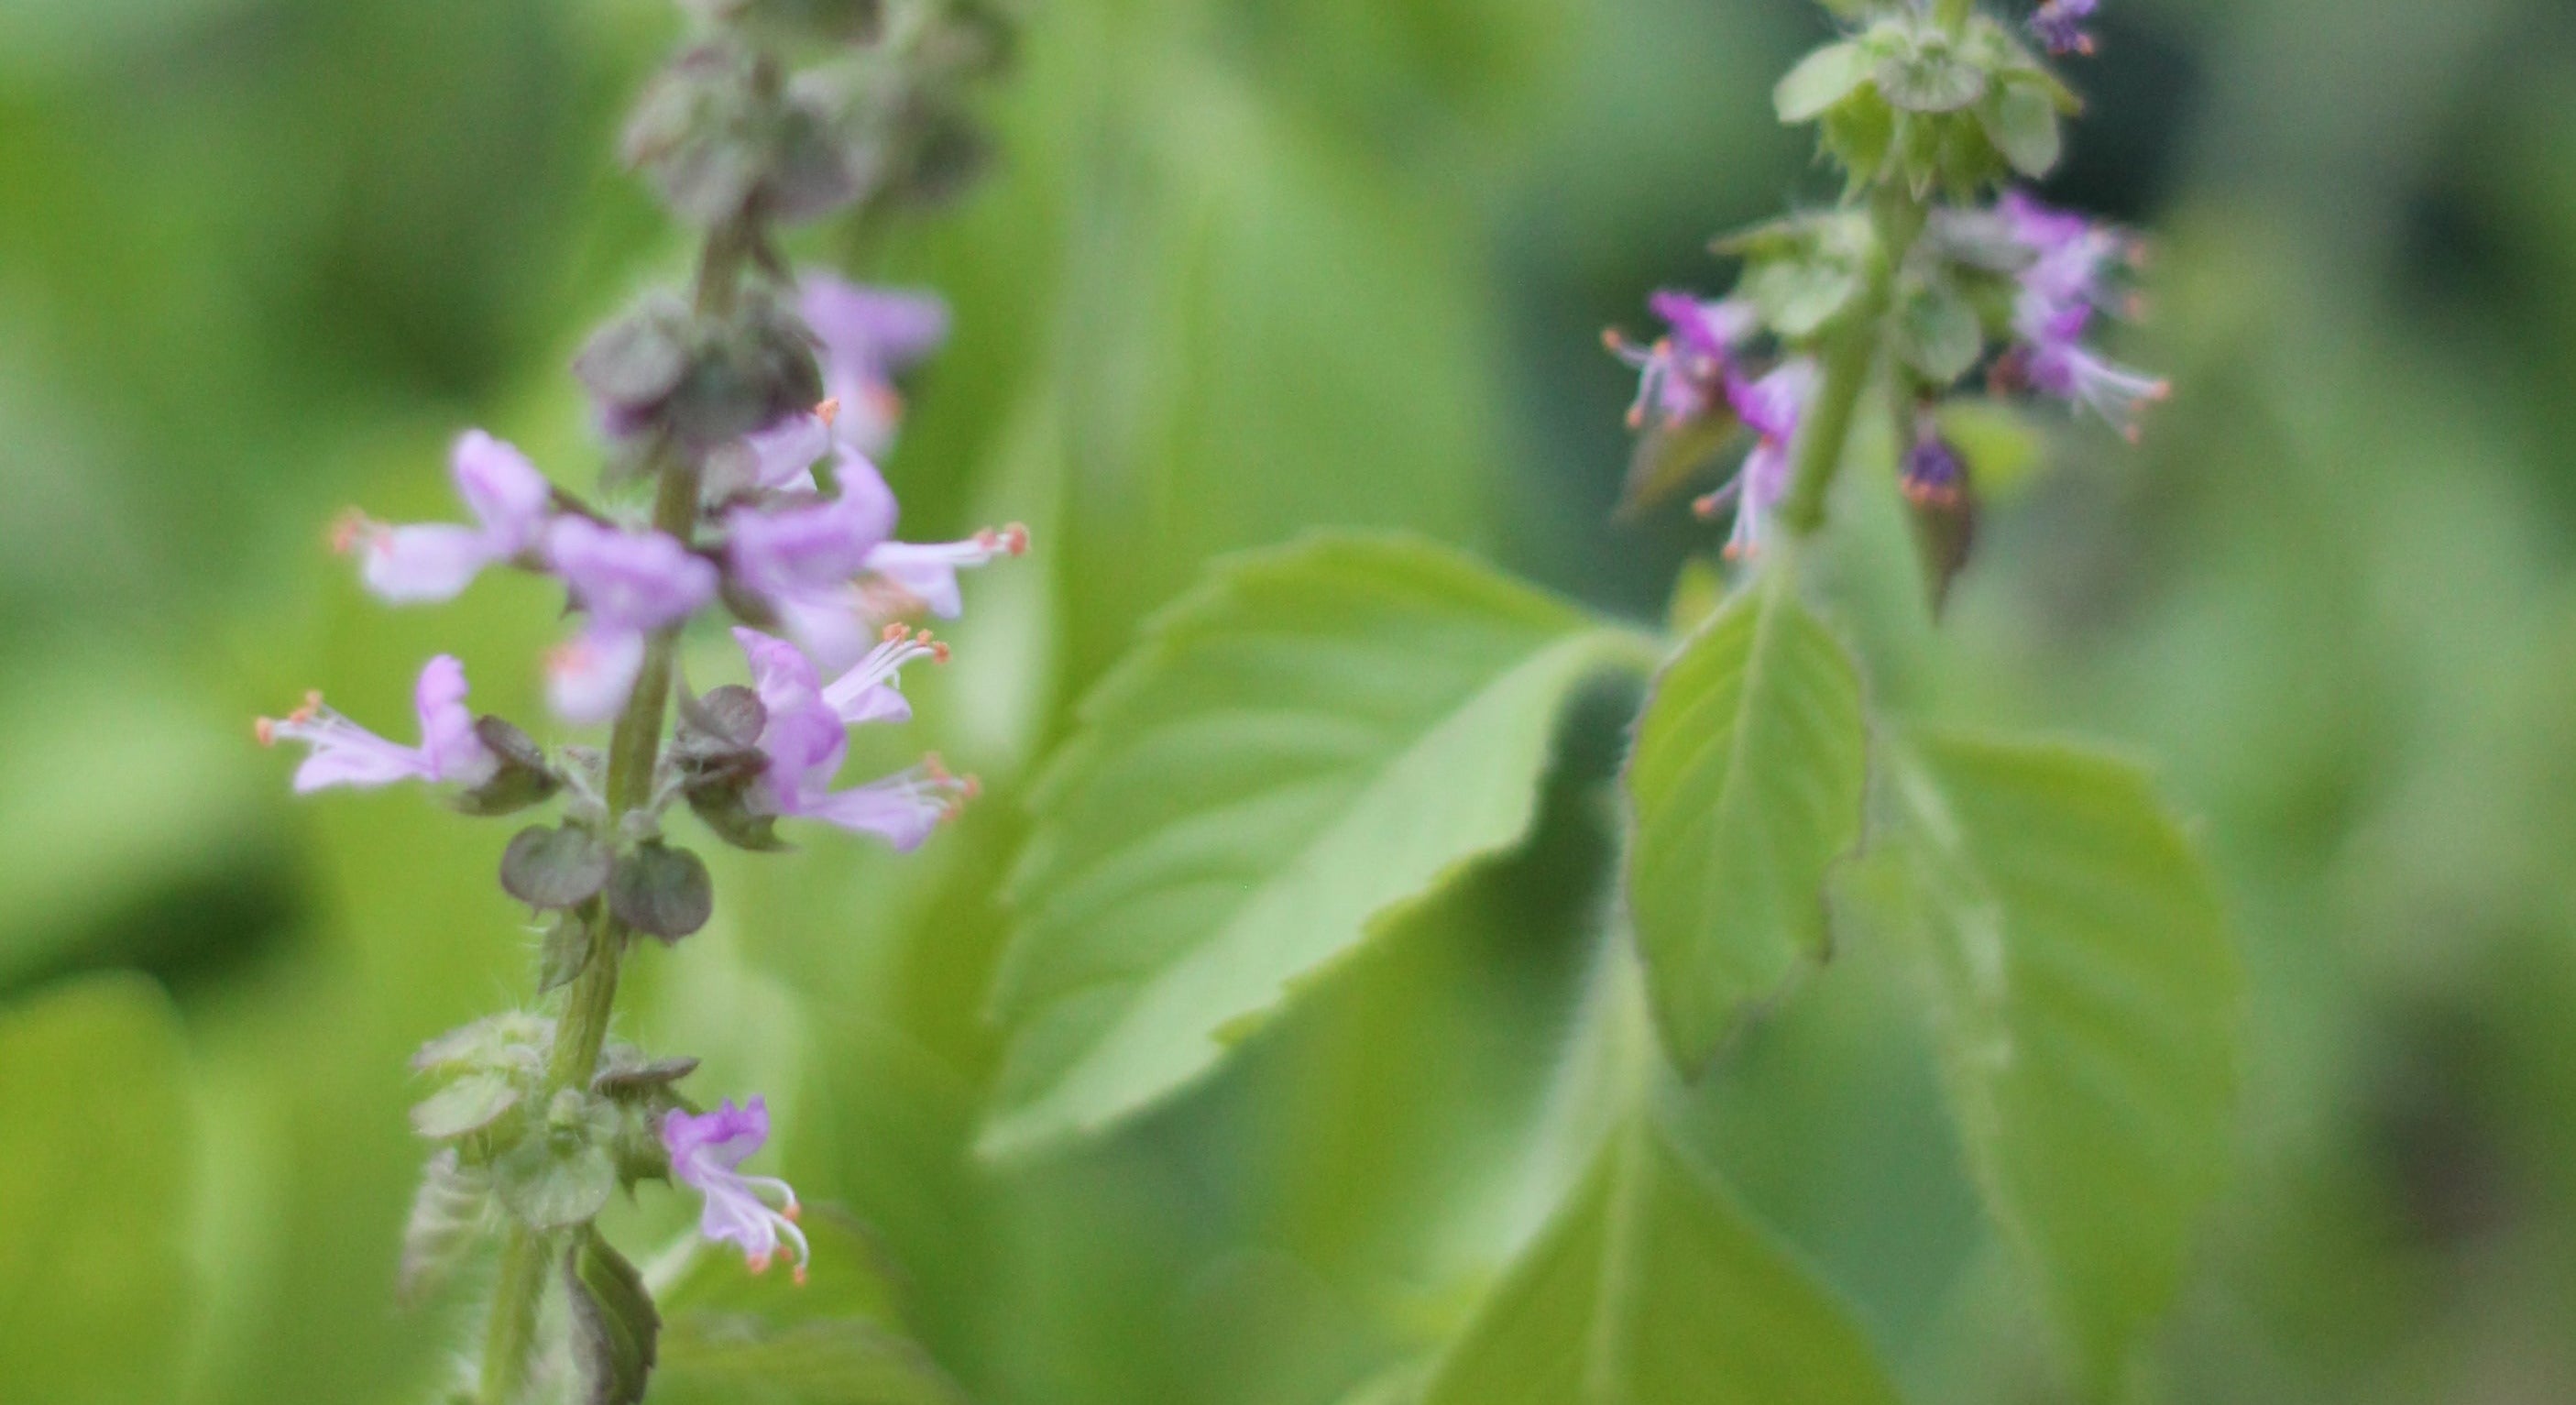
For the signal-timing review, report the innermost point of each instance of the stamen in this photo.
(264, 728)
(893, 632)
(349, 528)
(828, 411)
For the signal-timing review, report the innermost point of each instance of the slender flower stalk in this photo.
(762, 501)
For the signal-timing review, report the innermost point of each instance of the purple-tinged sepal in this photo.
(1772, 407)
(344, 753)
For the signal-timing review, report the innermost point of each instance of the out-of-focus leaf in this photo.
(614, 1326)
(94, 1190)
(1746, 785)
(2000, 444)
(1319, 734)
(839, 1338)
(450, 1215)
(1652, 1288)
(1820, 80)
(2089, 1004)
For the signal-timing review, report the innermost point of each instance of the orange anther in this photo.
(828, 411)
(264, 728)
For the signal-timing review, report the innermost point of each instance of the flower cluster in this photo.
(1932, 107)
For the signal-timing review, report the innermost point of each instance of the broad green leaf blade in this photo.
(92, 1194)
(1321, 733)
(1653, 1289)
(734, 1338)
(1746, 786)
(2089, 1008)
(614, 1326)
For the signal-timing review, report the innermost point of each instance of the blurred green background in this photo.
(1249, 266)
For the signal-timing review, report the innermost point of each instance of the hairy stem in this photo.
(634, 754)
(1851, 357)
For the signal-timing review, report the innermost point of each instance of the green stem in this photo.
(1850, 358)
(1953, 15)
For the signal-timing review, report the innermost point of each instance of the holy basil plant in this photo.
(742, 417)
(1328, 737)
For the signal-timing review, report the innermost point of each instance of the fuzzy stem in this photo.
(634, 754)
(1851, 356)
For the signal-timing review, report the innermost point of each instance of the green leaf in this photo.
(1746, 785)
(2021, 120)
(1799, 296)
(1938, 333)
(1652, 1288)
(450, 1215)
(1316, 736)
(839, 1338)
(1820, 80)
(559, 1177)
(661, 891)
(1929, 76)
(614, 1326)
(93, 1196)
(555, 868)
(469, 1104)
(2089, 1007)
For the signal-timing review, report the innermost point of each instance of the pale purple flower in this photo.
(2067, 283)
(924, 574)
(869, 336)
(804, 559)
(806, 737)
(2059, 24)
(1682, 377)
(1772, 408)
(510, 501)
(707, 1151)
(630, 584)
(344, 753)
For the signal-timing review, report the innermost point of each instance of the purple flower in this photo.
(803, 560)
(510, 501)
(706, 1153)
(1934, 474)
(924, 575)
(2059, 24)
(806, 737)
(2065, 285)
(869, 336)
(1772, 406)
(630, 584)
(1682, 377)
(345, 753)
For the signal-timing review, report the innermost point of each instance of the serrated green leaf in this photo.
(1319, 734)
(1745, 785)
(2089, 1008)
(2021, 120)
(1652, 1288)
(615, 1330)
(1820, 80)
(93, 1196)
